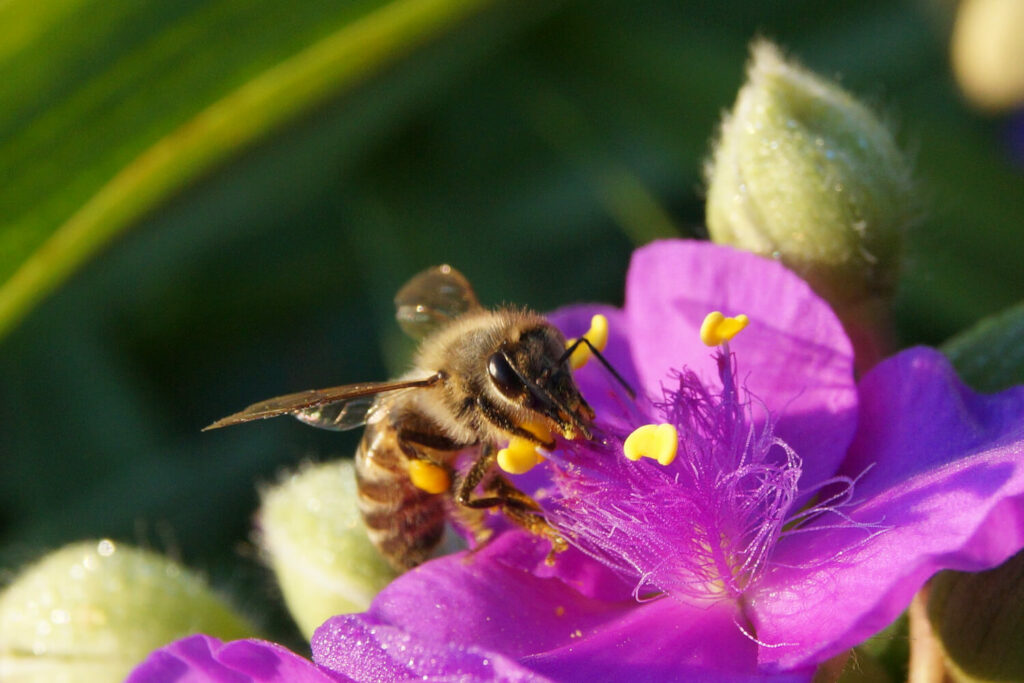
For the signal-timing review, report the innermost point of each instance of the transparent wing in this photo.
(342, 415)
(431, 299)
(336, 408)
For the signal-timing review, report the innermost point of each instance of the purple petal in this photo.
(477, 615)
(599, 387)
(357, 646)
(486, 597)
(945, 491)
(939, 419)
(203, 659)
(663, 640)
(573, 568)
(794, 355)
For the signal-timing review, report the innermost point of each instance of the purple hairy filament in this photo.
(703, 527)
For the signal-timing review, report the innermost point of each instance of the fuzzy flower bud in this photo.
(93, 610)
(316, 543)
(804, 173)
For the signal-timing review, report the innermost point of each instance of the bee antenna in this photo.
(604, 362)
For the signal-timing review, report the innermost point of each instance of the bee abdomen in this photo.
(405, 523)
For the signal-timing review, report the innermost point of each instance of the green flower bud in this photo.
(804, 173)
(316, 542)
(93, 610)
(979, 621)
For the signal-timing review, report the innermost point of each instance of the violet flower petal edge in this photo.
(204, 659)
(555, 632)
(945, 490)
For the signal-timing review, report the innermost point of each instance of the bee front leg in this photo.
(513, 503)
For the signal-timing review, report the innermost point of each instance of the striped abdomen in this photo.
(405, 523)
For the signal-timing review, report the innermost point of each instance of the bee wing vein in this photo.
(337, 408)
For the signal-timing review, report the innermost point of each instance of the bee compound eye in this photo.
(504, 377)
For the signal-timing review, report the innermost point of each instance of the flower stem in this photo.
(927, 663)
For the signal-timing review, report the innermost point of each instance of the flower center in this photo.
(699, 525)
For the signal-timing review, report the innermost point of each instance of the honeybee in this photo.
(479, 378)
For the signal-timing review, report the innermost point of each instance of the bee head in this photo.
(533, 373)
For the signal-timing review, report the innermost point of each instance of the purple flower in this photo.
(800, 516)
(202, 659)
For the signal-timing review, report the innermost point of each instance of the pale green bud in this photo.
(315, 539)
(978, 619)
(804, 173)
(93, 610)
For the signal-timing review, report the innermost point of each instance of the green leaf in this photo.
(110, 107)
(989, 356)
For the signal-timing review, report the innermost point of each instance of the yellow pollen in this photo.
(717, 329)
(428, 476)
(596, 335)
(521, 454)
(657, 441)
(538, 429)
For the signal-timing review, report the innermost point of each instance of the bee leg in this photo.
(433, 441)
(513, 503)
(421, 440)
(520, 508)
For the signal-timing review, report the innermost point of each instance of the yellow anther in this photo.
(596, 335)
(519, 456)
(717, 329)
(660, 442)
(428, 476)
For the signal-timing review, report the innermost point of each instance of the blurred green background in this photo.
(235, 190)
